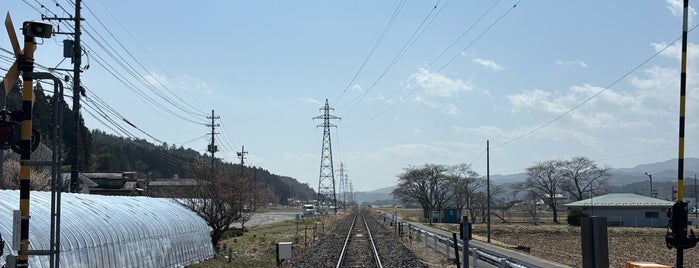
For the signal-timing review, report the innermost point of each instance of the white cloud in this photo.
(357, 88)
(607, 109)
(489, 63)
(436, 84)
(311, 101)
(449, 109)
(193, 84)
(677, 9)
(572, 62)
(155, 79)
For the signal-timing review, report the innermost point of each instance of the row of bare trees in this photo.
(435, 187)
(554, 181)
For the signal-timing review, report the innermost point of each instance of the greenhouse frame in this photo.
(110, 231)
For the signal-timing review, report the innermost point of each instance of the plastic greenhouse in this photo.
(110, 231)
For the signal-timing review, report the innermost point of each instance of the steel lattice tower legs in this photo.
(326, 182)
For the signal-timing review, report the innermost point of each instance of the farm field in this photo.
(561, 243)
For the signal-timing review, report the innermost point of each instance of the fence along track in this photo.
(356, 244)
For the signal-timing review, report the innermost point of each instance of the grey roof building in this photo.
(630, 210)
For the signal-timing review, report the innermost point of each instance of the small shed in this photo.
(628, 210)
(451, 215)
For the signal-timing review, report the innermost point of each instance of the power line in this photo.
(149, 55)
(194, 111)
(444, 51)
(416, 34)
(387, 26)
(634, 69)
(448, 62)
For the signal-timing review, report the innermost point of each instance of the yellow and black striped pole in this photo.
(678, 235)
(27, 67)
(683, 92)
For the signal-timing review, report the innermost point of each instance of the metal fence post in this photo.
(475, 258)
(435, 242)
(447, 249)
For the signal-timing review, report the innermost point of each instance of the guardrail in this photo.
(443, 244)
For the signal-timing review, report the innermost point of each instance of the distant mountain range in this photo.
(660, 171)
(630, 180)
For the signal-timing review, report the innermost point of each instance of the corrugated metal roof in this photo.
(111, 231)
(621, 200)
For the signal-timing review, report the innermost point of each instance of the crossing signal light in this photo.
(9, 134)
(37, 29)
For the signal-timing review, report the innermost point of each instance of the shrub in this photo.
(574, 215)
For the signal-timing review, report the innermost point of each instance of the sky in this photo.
(413, 82)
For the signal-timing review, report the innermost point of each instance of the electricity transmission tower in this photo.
(343, 188)
(326, 182)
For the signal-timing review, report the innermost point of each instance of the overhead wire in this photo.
(386, 27)
(449, 61)
(434, 60)
(414, 37)
(167, 74)
(634, 69)
(130, 70)
(193, 110)
(97, 108)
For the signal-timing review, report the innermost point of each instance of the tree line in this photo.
(435, 187)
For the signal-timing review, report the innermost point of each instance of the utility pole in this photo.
(326, 182)
(212, 148)
(241, 155)
(76, 59)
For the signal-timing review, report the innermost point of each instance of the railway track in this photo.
(359, 249)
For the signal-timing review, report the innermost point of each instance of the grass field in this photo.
(257, 247)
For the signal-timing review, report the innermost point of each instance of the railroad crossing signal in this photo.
(24, 63)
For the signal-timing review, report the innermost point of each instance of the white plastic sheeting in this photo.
(110, 231)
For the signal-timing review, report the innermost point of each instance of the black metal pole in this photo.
(487, 146)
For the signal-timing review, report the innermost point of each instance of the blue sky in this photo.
(266, 68)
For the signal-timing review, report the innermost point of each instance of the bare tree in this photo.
(480, 203)
(465, 183)
(40, 176)
(219, 196)
(427, 185)
(544, 179)
(584, 177)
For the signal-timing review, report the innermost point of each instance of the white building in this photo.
(629, 210)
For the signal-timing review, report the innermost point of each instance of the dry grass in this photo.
(257, 248)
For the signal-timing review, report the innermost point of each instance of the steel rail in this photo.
(371, 239)
(373, 245)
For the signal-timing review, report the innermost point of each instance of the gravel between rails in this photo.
(326, 250)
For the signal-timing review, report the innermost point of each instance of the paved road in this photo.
(507, 252)
(270, 216)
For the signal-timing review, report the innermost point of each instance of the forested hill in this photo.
(102, 152)
(116, 154)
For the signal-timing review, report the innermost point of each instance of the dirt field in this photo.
(561, 243)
